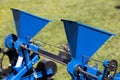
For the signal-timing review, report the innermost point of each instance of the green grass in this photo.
(99, 13)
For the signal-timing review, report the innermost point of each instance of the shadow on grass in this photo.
(117, 7)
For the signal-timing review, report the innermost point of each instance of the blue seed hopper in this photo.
(84, 40)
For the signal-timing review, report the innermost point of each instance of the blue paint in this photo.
(28, 25)
(84, 40)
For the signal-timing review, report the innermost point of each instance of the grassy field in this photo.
(102, 14)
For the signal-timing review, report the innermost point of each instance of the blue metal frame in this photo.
(27, 26)
(83, 41)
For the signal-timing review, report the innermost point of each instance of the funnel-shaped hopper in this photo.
(84, 40)
(27, 25)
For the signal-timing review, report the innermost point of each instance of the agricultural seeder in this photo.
(83, 42)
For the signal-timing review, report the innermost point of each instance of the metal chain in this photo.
(45, 43)
(106, 73)
(63, 47)
(109, 68)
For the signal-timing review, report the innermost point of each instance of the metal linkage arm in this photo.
(46, 54)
